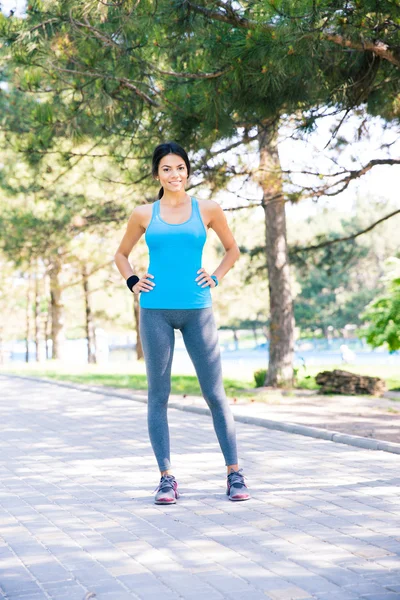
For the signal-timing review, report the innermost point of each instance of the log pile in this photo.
(343, 382)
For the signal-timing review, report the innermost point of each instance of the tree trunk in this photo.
(47, 317)
(136, 313)
(235, 339)
(46, 333)
(254, 328)
(281, 348)
(89, 326)
(37, 316)
(57, 308)
(27, 320)
(2, 358)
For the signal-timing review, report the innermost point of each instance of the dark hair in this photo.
(162, 150)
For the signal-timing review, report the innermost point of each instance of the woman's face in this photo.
(172, 173)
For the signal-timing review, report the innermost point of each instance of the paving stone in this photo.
(289, 593)
(28, 596)
(121, 596)
(73, 593)
(393, 588)
(369, 587)
(11, 585)
(384, 596)
(341, 595)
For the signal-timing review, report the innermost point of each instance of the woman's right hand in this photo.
(144, 284)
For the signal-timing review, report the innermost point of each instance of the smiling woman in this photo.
(176, 294)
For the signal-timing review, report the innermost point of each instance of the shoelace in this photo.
(236, 478)
(166, 483)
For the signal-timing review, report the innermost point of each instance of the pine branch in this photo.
(78, 281)
(378, 47)
(345, 182)
(108, 41)
(71, 166)
(195, 75)
(232, 18)
(240, 207)
(296, 250)
(69, 154)
(124, 82)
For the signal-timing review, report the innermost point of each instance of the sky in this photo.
(17, 5)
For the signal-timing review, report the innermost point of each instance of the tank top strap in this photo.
(197, 209)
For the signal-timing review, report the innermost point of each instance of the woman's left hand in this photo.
(204, 279)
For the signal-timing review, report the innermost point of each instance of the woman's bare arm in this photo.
(220, 225)
(133, 233)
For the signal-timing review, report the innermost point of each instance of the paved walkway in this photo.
(77, 513)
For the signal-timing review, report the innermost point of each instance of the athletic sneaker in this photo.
(236, 487)
(167, 490)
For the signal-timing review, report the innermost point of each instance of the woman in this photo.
(175, 294)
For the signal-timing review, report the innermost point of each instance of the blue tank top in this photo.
(176, 251)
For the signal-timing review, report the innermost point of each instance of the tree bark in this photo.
(235, 339)
(27, 320)
(89, 326)
(136, 312)
(37, 316)
(47, 316)
(57, 309)
(46, 335)
(281, 348)
(2, 360)
(254, 328)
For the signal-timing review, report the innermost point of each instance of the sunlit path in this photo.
(77, 515)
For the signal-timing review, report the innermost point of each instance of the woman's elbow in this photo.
(117, 256)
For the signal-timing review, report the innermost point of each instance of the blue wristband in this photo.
(214, 277)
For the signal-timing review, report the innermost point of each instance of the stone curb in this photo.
(314, 432)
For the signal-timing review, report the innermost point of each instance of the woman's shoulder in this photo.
(208, 210)
(142, 214)
(208, 206)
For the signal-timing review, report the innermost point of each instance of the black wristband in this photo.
(131, 281)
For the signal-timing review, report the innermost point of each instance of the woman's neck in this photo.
(175, 200)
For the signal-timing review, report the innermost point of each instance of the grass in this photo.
(113, 375)
(93, 375)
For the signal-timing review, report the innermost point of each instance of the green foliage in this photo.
(260, 376)
(383, 316)
(109, 69)
(323, 276)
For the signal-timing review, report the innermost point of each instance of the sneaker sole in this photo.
(239, 499)
(172, 501)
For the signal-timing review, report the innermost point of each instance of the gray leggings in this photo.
(200, 336)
